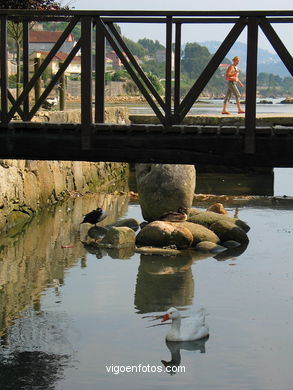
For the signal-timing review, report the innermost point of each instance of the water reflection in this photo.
(231, 252)
(38, 257)
(238, 183)
(31, 370)
(163, 282)
(175, 348)
(166, 281)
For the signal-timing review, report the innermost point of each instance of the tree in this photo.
(156, 83)
(155, 67)
(14, 28)
(150, 45)
(30, 4)
(120, 75)
(135, 48)
(195, 59)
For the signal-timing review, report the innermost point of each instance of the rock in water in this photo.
(164, 187)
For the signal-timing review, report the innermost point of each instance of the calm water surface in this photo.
(214, 106)
(66, 313)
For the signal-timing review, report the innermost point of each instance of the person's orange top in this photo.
(233, 76)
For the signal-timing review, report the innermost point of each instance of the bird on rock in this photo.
(95, 216)
(175, 216)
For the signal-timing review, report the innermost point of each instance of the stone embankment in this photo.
(28, 186)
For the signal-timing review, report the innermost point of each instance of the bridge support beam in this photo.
(3, 64)
(100, 77)
(251, 80)
(86, 83)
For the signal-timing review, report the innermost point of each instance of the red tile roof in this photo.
(47, 36)
(60, 56)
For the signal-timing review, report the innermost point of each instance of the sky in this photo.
(192, 33)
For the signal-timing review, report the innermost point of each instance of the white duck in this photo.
(187, 329)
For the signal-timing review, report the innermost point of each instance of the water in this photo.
(215, 106)
(67, 314)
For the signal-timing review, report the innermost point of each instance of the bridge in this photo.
(169, 141)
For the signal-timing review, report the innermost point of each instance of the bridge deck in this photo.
(186, 144)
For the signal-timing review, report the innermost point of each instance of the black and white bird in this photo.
(50, 103)
(95, 216)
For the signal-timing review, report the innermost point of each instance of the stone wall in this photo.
(28, 186)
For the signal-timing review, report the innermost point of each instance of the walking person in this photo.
(232, 78)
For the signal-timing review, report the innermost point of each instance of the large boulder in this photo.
(207, 218)
(227, 230)
(218, 208)
(128, 222)
(164, 234)
(199, 232)
(207, 246)
(119, 237)
(163, 188)
(179, 234)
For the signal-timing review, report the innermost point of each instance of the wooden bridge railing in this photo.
(169, 111)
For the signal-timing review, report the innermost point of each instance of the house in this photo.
(73, 68)
(116, 63)
(45, 40)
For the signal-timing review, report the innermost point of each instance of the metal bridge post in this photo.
(177, 67)
(3, 63)
(251, 81)
(25, 59)
(168, 82)
(86, 82)
(100, 77)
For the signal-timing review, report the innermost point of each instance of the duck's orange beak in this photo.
(165, 318)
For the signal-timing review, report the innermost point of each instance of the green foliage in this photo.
(12, 81)
(150, 45)
(136, 48)
(288, 84)
(195, 58)
(156, 83)
(270, 84)
(154, 67)
(108, 76)
(31, 4)
(74, 77)
(46, 76)
(269, 80)
(120, 75)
